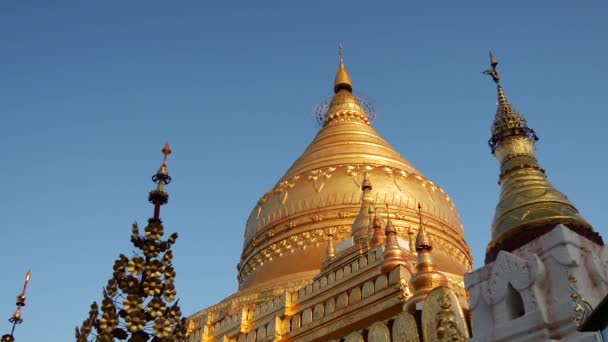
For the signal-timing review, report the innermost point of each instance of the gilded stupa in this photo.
(545, 267)
(315, 265)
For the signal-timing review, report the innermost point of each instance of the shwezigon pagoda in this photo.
(355, 244)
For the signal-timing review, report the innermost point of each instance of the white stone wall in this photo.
(526, 295)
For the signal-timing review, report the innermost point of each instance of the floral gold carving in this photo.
(406, 291)
(343, 214)
(318, 177)
(582, 307)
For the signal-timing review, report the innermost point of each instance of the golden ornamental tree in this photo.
(139, 301)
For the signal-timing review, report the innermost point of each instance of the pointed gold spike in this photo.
(342, 78)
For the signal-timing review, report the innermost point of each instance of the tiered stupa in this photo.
(312, 266)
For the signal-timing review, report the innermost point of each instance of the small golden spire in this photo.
(366, 184)
(411, 239)
(507, 121)
(359, 229)
(423, 240)
(426, 277)
(330, 252)
(342, 78)
(393, 254)
(378, 237)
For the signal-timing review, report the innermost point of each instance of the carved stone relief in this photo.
(378, 332)
(354, 337)
(442, 317)
(368, 289)
(405, 328)
(306, 316)
(318, 312)
(381, 282)
(330, 306)
(342, 300)
(354, 296)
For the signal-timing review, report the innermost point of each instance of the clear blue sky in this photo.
(90, 91)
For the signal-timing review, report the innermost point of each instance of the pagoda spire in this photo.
(344, 106)
(359, 229)
(393, 254)
(529, 206)
(426, 277)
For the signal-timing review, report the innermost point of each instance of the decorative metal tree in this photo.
(139, 300)
(16, 317)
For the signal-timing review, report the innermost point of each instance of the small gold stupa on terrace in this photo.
(312, 264)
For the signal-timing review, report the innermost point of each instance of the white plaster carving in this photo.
(538, 271)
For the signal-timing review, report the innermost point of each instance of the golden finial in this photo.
(366, 184)
(166, 152)
(342, 78)
(423, 240)
(389, 224)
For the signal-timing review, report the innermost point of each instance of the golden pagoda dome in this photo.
(320, 195)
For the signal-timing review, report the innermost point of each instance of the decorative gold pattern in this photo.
(406, 291)
(582, 307)
(393, 254)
